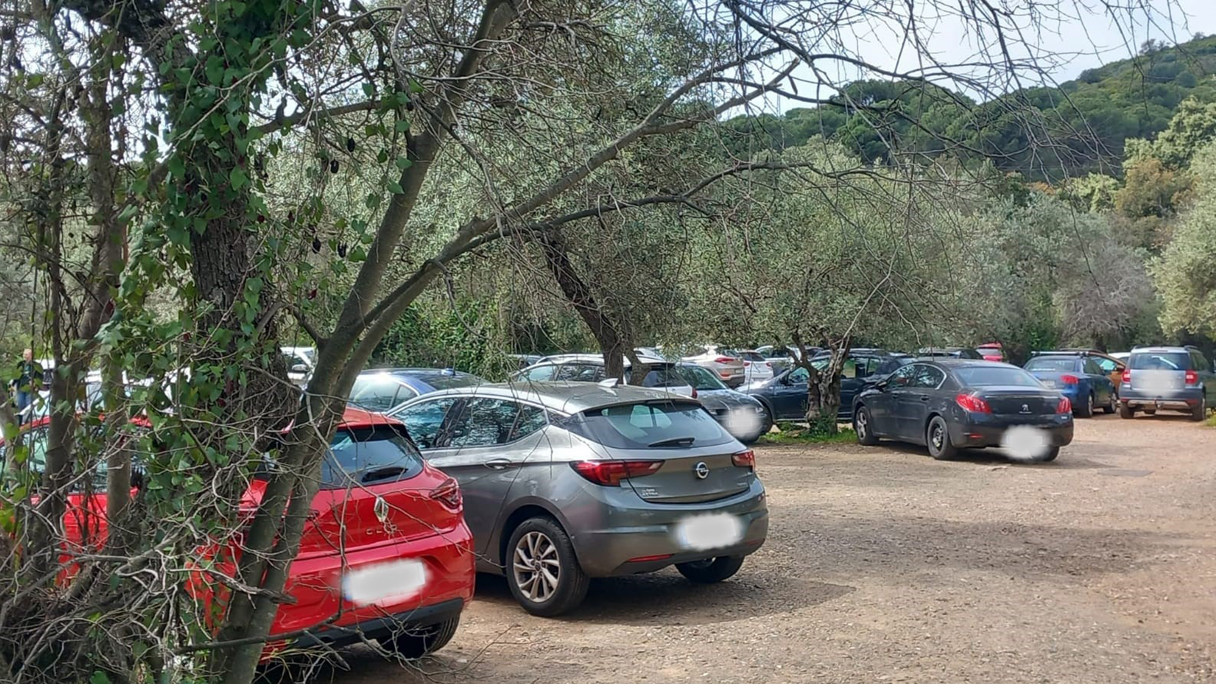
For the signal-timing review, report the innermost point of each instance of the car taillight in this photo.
(1192, 378)
(744, 459)
(694, 393)
(1127, 375)
(768, 364)
(972, 403)
(1070, 379)
(724, 359)
(610, 473)
(448, 494)
(1065, 406)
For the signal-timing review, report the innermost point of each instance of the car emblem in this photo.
(1025, 408)
(701, 470)
(380, 509)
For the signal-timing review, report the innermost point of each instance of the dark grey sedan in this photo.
(952, 404)
(742, 415)
(567, 481)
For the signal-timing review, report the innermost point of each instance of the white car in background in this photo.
(300, 362)
(729, 369)
(756, 368)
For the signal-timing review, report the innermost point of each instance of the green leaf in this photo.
(237, 178)
(177, 167)
(395, 188)
(402, 125)
(369, 89)
(403, 163)
(99, 677)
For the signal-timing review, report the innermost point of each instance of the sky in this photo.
(1080, 35)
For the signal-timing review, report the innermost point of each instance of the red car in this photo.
(992, 351)
(386, 554)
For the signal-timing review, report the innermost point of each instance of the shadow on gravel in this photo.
(990, 457)
(666, 598)
(899, 547)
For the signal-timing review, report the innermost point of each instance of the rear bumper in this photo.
(383, 627)
(650, 532)
(991, 432)
(1182, 399)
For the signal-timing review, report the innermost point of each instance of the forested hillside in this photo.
(1044, 133)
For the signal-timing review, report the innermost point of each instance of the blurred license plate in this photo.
(1049, 383)
(714, 531)
(384, 583)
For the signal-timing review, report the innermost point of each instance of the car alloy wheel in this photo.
(536, 567)
(542, 569)
(863, 426)
(1089, 405)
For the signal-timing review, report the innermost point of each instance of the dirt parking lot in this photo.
(883, 565)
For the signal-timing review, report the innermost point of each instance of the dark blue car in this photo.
(383, 389)
(784, 396)
(1077, 376)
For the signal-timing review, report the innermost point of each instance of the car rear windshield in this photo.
(443, 381)
(1052, 364)
(1171, 361)
(663, 376)
(985, 376)
(988, 351)
(654, 424)
(367, 456)
(701, 379)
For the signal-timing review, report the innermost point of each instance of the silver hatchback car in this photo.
(567, 481)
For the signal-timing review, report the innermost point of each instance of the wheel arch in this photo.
(522, 511)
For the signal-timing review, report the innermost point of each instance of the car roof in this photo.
(563, 397)
(951, 362)
(358, 418)
(1155, 350)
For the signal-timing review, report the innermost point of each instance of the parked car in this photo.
(383, 389)
(756, 368)
(590, 368)
(525, 360)
(992, 351)
(743, 416)
(729, 369)
(949, 352)
(1077, 376)
(386, 554)
(784, 397)
(1120, 356)
(300, 362)
(1172, 378)
(1109, 363)
(952, 404)
(568, 481)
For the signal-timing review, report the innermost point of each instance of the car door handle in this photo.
(924, 397)
(499, 463)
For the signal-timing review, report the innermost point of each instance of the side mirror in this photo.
(882, 385)
(299, 368)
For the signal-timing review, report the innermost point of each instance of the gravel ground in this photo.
(883, 565)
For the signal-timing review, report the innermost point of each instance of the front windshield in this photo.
(700, 379)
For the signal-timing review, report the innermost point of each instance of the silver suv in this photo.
(1171, 378)
(567, 481)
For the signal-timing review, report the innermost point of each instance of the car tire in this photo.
(937, 438)
(423, 641)
(863, 426)
(1201, 411)
(1086, 410)
(1112, 405)
(1126, 411)
(711, 570)
(543, 540)
(1049, 455)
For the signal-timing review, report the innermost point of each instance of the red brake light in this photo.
(972, 403)
(1065, 406)
(1192, 378)
(610, 473)
(745, 459)
(1127, 375)
(448, 494)
(694, 393)
(724, 359)
(1069, 379)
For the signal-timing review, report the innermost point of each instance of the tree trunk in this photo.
(823, 390)
(614, 345)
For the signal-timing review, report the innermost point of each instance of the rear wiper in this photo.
(381, 474)
(674, 441)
